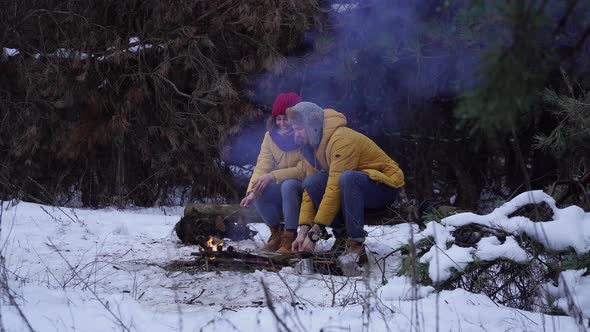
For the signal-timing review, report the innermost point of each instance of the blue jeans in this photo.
(358, 192)
(280, 199)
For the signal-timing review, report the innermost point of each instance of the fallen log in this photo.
(388, 216)
(249, 215)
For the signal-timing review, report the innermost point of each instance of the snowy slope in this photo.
(100, 270)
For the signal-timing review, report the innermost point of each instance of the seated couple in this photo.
(318, 173)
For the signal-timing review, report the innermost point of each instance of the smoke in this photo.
(375, 56)
(380, 61)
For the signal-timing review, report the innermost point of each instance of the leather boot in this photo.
(286, 241)
(274, 241)
(339, 244)
(356, 250)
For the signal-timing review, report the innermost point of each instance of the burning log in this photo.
(214, 244)
(196, 228)
(245, 257)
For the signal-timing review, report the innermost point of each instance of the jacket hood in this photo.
(332, 121)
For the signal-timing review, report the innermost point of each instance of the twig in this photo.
(272, 308)
(332, 287)
(383, 278)
(4, 283)
(186, 95)
(53, 200)
(291, 291)
(192, 300)
(105, 305)
(226, 308)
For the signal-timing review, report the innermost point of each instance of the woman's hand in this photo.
(248, 200)
(261, 182)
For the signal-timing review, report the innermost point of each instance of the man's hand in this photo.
(301, 237)
(261, 182)
(307, 246)
(248, 200)
(303, 243)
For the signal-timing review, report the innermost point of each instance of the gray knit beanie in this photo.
(311, 116)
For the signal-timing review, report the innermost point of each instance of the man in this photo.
(345, 171)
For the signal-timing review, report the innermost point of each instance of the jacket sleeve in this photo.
(265, 163)
(344, 156)
(307, 211)
(295, 172)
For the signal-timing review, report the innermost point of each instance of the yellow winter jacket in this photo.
(343, 149)
(279, 163)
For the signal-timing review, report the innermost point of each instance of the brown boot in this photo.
(356, 250)
(339, 244)
(286, 241)
(274, 241)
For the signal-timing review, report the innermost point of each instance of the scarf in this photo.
(284, 142)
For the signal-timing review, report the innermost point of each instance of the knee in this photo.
(290, 185)
(347, 178)
(258, 205)
(266, 194)
(313, 180)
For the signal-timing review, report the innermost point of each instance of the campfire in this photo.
(214, 244)
(213, 255)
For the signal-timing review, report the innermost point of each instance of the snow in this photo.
(572, 292)
(68, 53)
(442, 261)
(9, 52)
(344, 7)
(570, 228)
(490, 248)
(101, 270)
(453, 199)
(400, 289)
(135, 41)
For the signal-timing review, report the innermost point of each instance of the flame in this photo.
(214, 244)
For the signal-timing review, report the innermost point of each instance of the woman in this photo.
(275, 186)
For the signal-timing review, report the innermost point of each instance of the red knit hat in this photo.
(284, 101)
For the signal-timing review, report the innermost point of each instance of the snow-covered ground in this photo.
(100, 270)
